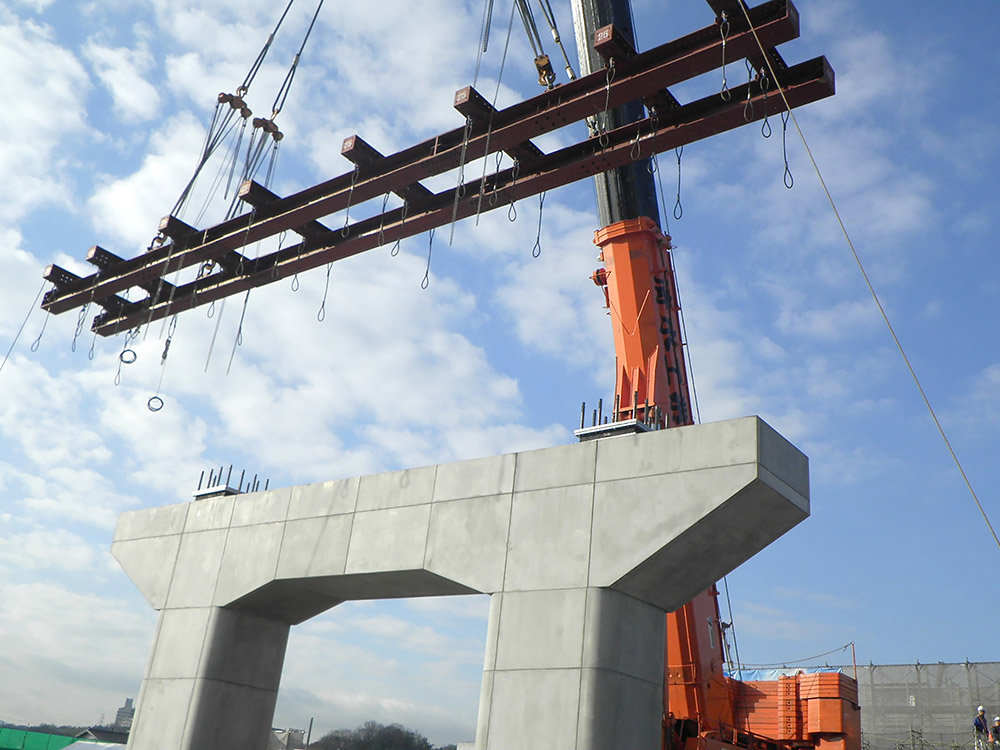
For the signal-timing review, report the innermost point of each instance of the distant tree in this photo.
(374, 736)
(64, 730)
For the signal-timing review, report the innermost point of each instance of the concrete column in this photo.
(581, 668)
(212, 680)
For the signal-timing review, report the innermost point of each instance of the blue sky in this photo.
(106, 107)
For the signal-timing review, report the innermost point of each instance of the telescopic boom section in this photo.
(651, 378)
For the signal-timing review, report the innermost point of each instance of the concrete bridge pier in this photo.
(582, 668)
(582, 548)
(224, 666)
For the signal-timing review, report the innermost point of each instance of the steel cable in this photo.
(23, 324)
(867, 280)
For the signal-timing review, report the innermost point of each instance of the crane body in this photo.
(704, 709)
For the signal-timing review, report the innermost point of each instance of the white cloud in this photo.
(48, 549)
(19, 283)
(38, 6)
(979, 406)
(841, 321)
(40, 79)
(122, 70)
(130, 208)
(80, 652)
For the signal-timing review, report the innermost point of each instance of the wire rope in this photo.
(550, 18)
(279, 100)
(263, 53)
(732, 627)
(867, 280)
(484, 38)
(530, 28)
(780, 664)
(489, 124)
(23, 324)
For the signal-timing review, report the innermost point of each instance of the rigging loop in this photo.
(127, 355)
(748, 108)
(37, 342)
(154, 404)
(381, 222)
(765, 84)
(512, 212)
(426, 281)
(724, 33)
(603, 126)
(238, 341)
(652, 165)
(636, 151)
(678, 208)
(281, 242)
(321, 313)
(350, 194)
(786, 178)
(460, 182)
(80, 320)
(402, 218)
(537, 249)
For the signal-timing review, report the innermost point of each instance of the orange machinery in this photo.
(703, 708)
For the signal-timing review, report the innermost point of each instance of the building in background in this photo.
(123, 719)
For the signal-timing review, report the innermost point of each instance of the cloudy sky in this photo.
(106, 105)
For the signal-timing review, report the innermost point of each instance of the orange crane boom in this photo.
(703, 708)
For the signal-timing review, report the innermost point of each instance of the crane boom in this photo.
(703, 709)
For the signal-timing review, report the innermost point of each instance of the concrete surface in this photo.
(582, 548)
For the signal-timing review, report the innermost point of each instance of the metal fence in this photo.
(924, 706)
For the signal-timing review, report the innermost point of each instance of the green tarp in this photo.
(22, 739)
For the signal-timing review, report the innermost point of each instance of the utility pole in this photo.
(626, 192)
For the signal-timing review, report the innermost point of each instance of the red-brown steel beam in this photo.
(636, 77)
(804, 83)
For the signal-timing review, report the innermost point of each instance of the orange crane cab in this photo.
(703, 708)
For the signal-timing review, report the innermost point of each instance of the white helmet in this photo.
(996, 718)
(980, 709)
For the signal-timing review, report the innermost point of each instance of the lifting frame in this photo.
(628, 77)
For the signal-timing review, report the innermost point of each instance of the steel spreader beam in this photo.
(645, 76)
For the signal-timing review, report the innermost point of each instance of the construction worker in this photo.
(981, 732)
(995, 731)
